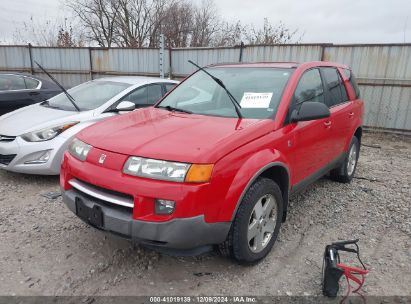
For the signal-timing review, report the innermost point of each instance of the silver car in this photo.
(33, 139)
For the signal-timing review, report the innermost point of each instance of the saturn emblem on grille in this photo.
(102, 159)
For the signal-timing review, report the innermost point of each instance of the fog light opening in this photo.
(42, 159)
(164, 207)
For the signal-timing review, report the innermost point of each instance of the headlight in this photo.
(47, 133)
(79, 149)
(156, 169)
(168, 171)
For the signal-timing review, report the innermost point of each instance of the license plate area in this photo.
(94, 216)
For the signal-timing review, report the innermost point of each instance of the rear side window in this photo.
(348, 73)
(310, 87)
(336, 92)
(31, 83)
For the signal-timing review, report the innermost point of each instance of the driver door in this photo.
(310, 144)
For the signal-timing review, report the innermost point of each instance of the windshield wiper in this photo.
(221, 84)
(72, 100)
(170, 108)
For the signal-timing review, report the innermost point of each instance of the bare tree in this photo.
(139, 23)
(48, 33)
(229, 34)
(271, 34)
(177, 23)
(36, 33)
(138, 20)
(67, 38)
(207, 23)
(98, 18)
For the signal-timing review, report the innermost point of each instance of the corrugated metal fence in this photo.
(383, 71)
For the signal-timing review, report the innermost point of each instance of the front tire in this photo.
(257, 223)
(345, 172)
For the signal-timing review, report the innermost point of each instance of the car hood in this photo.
(36, 117)
(160, 134)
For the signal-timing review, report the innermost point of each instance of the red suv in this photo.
(214, 162)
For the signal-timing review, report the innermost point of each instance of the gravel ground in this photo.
(46, 250)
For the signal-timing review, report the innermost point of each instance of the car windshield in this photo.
(88, 96)
(257, 90)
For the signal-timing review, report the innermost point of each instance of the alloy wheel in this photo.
(262, 223)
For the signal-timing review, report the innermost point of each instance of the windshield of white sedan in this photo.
(88, 96)
(257, 90)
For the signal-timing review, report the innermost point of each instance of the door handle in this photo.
(327, 124)
(34, 93)
(351, 114)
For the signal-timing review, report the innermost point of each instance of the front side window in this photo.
(257, 90)
(138, 97)
(11, 82)
(89, 95)
(169, 86)
(154, 92)
(309, 88)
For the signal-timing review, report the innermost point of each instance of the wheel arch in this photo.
(279, 173)
(358, 133)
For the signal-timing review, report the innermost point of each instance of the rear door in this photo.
(337, 100)
(36, 90)
(13, 93)
(311, 140)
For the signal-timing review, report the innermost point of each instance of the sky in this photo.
(325, 21)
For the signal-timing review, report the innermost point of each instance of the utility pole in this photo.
(161, 59)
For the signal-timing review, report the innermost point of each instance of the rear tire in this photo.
(257, 223)
(345, 172)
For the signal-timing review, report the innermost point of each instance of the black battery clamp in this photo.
(333, 269)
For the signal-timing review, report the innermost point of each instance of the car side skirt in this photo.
(300, 186)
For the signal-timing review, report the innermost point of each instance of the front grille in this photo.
(6, 138)
(108, 196)
(6, 159)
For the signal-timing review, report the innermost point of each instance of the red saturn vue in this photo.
(213, 163)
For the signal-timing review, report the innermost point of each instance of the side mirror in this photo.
(126, 106)
(310, 110)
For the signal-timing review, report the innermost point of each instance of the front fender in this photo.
(249, 171)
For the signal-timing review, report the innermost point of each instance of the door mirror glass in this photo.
(126, 106)
(310, 110)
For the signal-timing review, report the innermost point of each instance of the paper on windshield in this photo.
(256, 100)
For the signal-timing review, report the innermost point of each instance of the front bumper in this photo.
(27, 151)
(178, 233)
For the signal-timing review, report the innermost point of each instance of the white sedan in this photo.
(33, 139)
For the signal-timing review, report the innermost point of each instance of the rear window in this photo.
(353, 82)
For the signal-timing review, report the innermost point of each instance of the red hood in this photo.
(160, 134)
